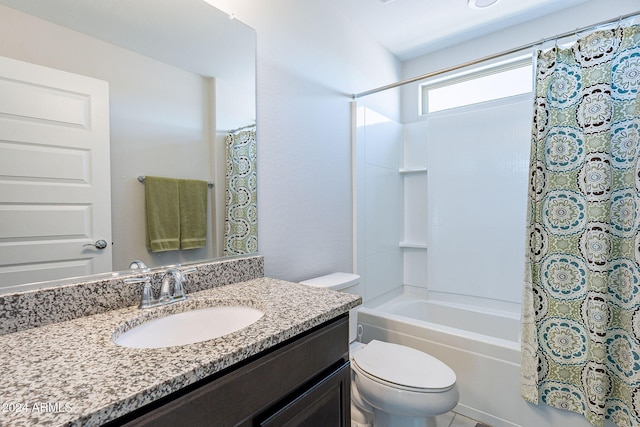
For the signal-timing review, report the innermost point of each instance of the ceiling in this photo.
(411, 28)
(407, 28)
(189, 34)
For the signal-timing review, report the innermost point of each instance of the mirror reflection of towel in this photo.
(176, 211)
(193, 213)
(163, 214)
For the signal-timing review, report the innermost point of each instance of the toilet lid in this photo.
(404, 366)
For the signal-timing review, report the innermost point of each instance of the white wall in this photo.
(477, 198)
(303, 67)
(567, 20)
(310, 59)
(159, 120)
(415, 204)
(379, 202)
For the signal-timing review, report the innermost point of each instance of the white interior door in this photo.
(55, 196)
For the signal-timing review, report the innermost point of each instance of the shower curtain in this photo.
(241, 218)
(581, 306)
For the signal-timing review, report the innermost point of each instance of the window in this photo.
(488, 83)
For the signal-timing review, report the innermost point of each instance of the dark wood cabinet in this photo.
(321, 405)
(303, 382)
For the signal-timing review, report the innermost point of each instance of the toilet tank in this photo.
(341, 282)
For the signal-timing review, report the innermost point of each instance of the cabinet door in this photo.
(326, 403)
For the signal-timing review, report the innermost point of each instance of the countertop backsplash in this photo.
(34, 308)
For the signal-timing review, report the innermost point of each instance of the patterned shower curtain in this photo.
(581, 306)
(241, 218)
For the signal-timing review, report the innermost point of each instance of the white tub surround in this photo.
(482, 323)
(82, 377)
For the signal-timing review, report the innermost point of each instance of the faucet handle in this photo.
(189, 270)
(137, 264)
(147, 294)
(148, 297)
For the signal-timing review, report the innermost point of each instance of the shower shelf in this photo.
(419, 173)
(413, 245)
(412, 170)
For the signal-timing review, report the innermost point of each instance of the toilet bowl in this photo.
(404, 386)
(392, 385)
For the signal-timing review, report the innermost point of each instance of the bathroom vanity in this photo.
(291, 364)
(306, 379)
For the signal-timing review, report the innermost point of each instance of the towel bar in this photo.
(141, 178)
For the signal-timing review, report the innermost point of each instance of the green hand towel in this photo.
(193, 213)
(163, 214)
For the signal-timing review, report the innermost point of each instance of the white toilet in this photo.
(392, 385)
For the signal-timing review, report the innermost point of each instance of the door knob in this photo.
(100, 244)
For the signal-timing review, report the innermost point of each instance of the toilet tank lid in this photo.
(335, 281)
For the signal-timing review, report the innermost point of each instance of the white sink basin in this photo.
(189, 327)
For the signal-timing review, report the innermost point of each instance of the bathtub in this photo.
(481, 345)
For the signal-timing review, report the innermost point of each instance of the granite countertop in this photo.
(72, 373)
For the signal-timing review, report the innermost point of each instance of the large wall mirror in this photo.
(181, 80)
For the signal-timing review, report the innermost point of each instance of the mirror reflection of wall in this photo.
(171, 106)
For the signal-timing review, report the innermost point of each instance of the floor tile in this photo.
(445, 420)
(462, 421)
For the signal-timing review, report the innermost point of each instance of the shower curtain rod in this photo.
(490, 57)
(241, 128)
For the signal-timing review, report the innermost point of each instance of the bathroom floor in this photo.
(452, 419)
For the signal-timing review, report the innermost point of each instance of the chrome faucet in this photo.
(177, 294)
(167, 294)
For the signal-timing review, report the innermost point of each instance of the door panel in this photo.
(54, 174)
(44, 163)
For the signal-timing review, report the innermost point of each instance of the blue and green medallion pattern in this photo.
(241, 190)
(581, 305)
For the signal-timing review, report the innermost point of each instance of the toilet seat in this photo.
(403, 367)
